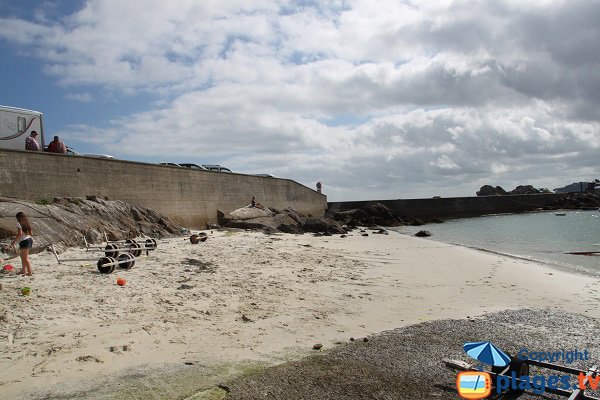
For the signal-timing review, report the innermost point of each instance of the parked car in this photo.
(192, 166)
(170, 164)
(72, 152)
(215, 167)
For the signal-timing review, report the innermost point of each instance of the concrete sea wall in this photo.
(458, 207)
(190, 197)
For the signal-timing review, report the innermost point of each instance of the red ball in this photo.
(121, 281)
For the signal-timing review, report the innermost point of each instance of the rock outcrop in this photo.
(371, 214)
(525, 189)
(585, 200)
(66, 221)
(582, 200)
(291, 221)
(271, 220)
(488, 190)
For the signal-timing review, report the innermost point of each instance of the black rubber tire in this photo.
(195, 239)
(138, 250)
(127, 260)
(103, 268)
(111, 250)
(150, 244)
(134, 247)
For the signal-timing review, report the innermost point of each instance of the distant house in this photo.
(579, 187)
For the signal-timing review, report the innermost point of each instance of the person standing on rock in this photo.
(319, 187)
(25, 242)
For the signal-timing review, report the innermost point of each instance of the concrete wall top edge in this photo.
(441, 198)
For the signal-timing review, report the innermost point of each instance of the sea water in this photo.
(540, 236)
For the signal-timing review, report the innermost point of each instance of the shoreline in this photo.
(185, 304)
(562, 265)
(568, 268)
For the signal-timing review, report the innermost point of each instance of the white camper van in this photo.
(16, 124)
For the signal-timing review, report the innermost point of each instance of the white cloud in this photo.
(383, 100)
(81, 97)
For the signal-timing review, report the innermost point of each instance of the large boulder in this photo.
(322, 225)
(350, 215)
(295, 215)
(268, 220)
(276, 223)
(370, 214)
(376, 210)
(487, 190)
(288, 224)
(249, 213)
(524, 189)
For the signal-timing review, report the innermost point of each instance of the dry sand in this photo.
(245, 297)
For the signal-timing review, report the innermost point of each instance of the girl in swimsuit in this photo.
(25, 242)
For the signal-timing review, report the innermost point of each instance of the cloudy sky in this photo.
(376, 99)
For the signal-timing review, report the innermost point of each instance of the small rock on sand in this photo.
(423, 234)
(246, 319)
(88, 358)
(317, 346)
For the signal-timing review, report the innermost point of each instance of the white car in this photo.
(72, 152)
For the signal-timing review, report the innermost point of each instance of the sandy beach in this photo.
(245, 298)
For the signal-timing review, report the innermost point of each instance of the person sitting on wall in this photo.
(56, 146)
(254, 204)
(30, 143)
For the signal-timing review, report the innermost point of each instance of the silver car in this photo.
(192, 166)
(215, 167)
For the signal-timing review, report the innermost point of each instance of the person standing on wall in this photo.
(319, 187)
(56, 146)
(30, 143)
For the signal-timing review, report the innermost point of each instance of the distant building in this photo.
(579, 187)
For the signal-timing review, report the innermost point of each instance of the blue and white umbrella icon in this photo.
(487, 353)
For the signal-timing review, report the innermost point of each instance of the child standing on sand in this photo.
(25, 242)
